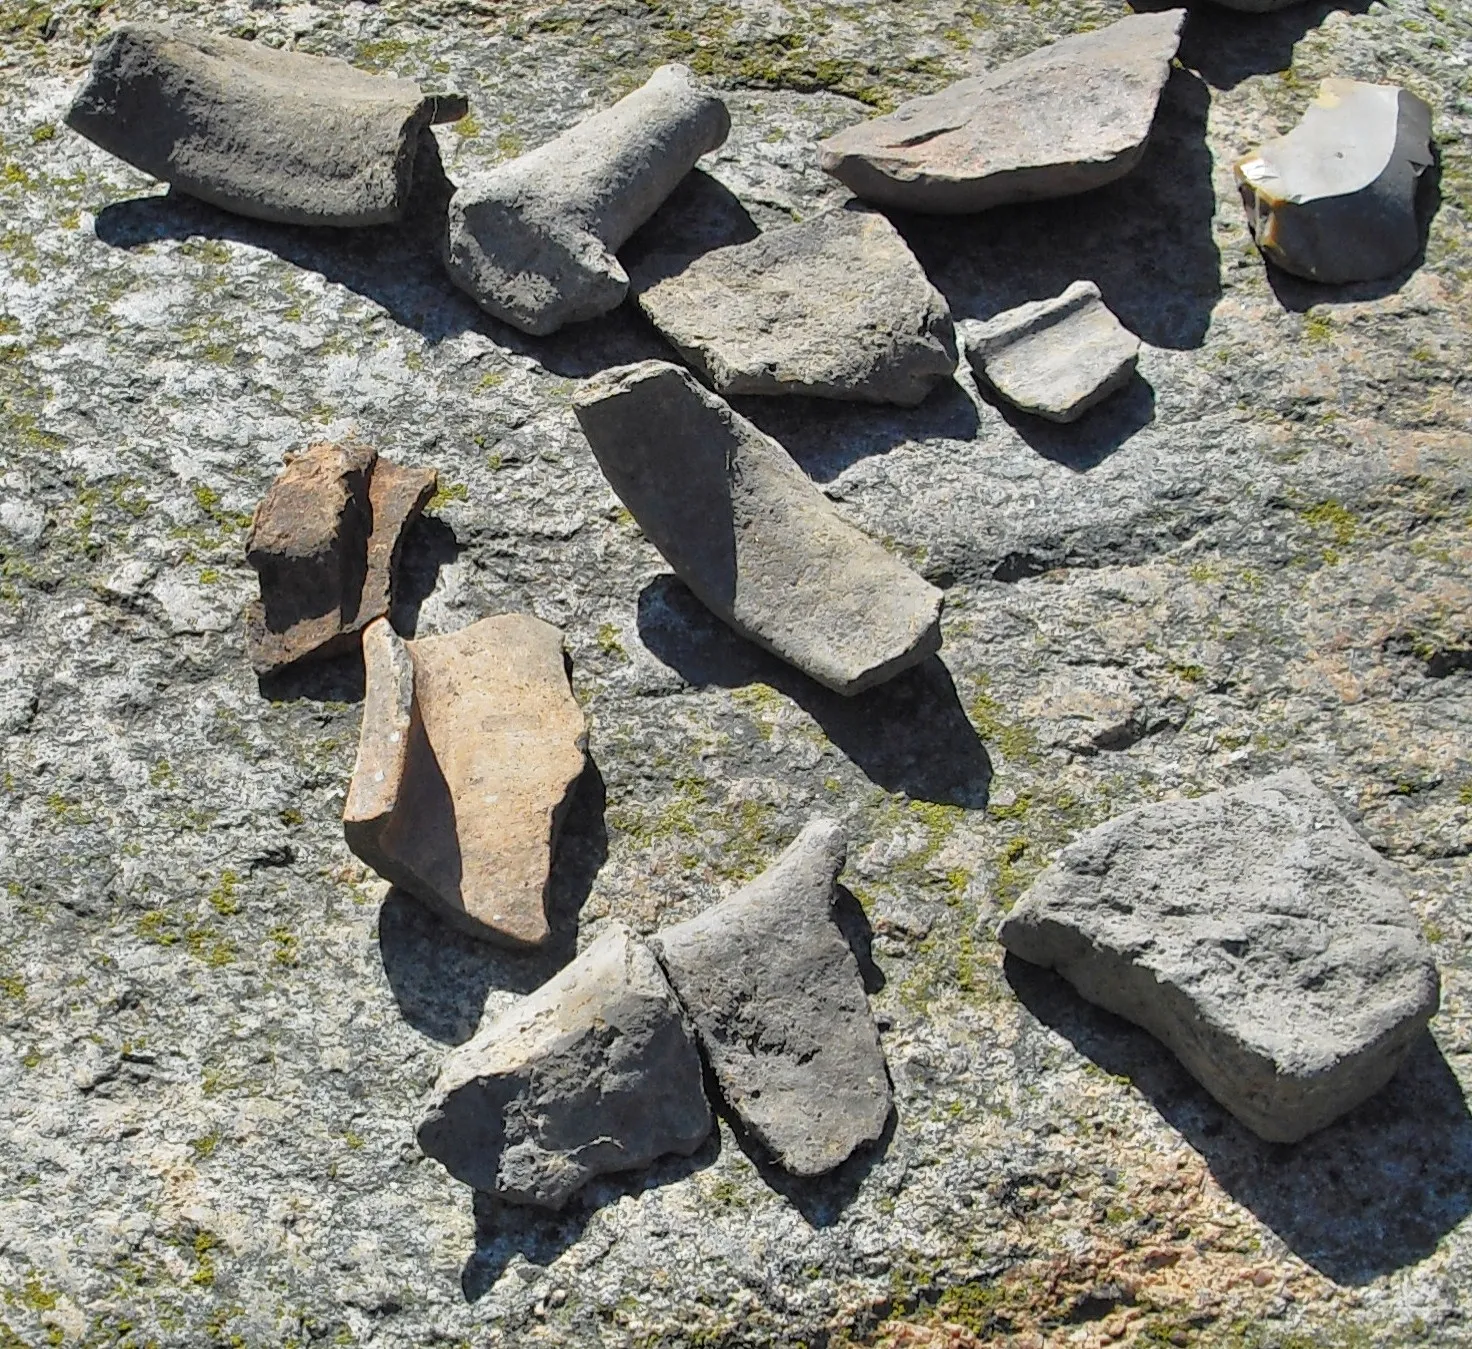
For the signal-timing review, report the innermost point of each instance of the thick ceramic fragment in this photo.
(594, 1072)
(278, 135)
(1063, 119)
(833, 307)
(533, 241)
(470, 747)
(779, 1005)
(1054, 358)
(747, 531)
(1335, 199)
(1256, 934)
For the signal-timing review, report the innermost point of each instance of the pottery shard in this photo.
(1256, 934)
(278, 135)
(834, 307)
(594, 1072)
(1063, 119)
(325, 545)
(1335, 199)
(470, 747)
(533, 241)
(747, 531)
(1054, 358)
(780, 1009)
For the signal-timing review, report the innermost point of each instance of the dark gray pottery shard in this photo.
(779, 1005)
(747, 531)
(277, 135)
(1256, 934)
(1335, 199)
(1063, 119)
(594, 1072)
(833, 307)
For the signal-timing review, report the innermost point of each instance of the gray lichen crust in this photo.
(778, 1002)
(1335, 199)
(1054, 358)
(833, 307)
(278, 135)
(1256, 934)
(594, 1072)
(533, 241)
(1063, 119)
(746, 530)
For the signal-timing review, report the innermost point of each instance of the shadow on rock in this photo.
(339, 680)
(1088, 442)
(825, 436)
(429, 546)
(1374, 1192)
(908, 735)
(504, 1231)
(857, 931)
(1228, 46)
(398, 267)
(1146, 239)
(699, 216)
(440, 976)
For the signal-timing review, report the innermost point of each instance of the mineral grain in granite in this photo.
(470, 747)
(594, 1072)
(533, 241)
(1335, 199)
(833, 307)
(1054, 358)
(278, 135)
(1065, 118)
(778, 1002)
(325, 544)
(747, 531)
(1256, 934)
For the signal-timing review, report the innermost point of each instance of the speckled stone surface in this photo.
(215, 1028)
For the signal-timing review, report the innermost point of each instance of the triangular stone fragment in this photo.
(834, 307)
(325, 545)
(779, 1005)
(747, 531)
(278, 135)
(1256, 934)
(1066, 118)
(1054, 358)
(594, 1072)
(470, 747)
(1335, 199)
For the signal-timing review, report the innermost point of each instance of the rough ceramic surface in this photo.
(276, 135)
(533, 242)
(747, 532)
(834, 307)
(325, 542)
(1054, 358)
(1066, 118)
(470, 747)
(1335, 199)
(594, 1072)
(1256, 934)
(216, 1025)
(778, 1002)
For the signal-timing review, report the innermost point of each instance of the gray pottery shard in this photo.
(1063, 119)
(1255, 934)
(1335, 199)
(747, 531)
(533, 241)
(325, 545)
(277, 135)
(594, 1072)
(780, 1009)
(470, 748)
(1054, 358)
(834, 307)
